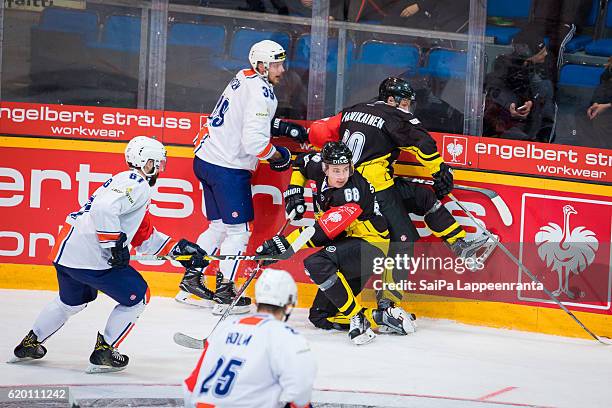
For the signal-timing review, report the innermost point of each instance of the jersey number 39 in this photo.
(221, 384)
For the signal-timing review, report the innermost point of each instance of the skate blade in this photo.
(219, 309)
(365, 338)
(489, 247)
(189, 299)
(17, 360)
(99, 369)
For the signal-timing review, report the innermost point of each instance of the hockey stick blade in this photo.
(187, 341)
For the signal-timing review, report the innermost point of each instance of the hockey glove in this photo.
(289, 129)
(294, 200)
(277, 245)
(185, 247)
(443, 181)
(284, 162)
(120, 253)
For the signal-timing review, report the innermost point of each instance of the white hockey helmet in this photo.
(276, 287)
(141, 149)
(266, 51)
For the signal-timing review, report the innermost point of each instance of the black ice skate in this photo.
(105, 358)
(225, 294)
(478, 251)
(193, 291)
(29, 349)
(394, 320)
(360, 331)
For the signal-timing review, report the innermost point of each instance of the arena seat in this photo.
(602, 47)
(517, 9)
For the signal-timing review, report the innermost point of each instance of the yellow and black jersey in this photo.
(370, 225)
(376, 132)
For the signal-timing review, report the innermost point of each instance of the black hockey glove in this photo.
(284, 162)
(289, 129)
(294, 200)
(185, 247)
(443, 181)
(120, 253)
(277, 245)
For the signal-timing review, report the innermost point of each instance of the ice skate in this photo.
(29, 349)
(360, 331)
(478, 250)
(106, 359)
(225, 294)
(193, 291)
(394, 320)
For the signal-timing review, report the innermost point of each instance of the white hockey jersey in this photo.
(119, 205)
(255, 361)
(237, 132)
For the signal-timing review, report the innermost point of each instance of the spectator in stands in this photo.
(441, 15)
(559, 20)
(596, 125)
(519, 100)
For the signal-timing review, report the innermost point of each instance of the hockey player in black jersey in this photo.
(352, 232)
(376, 132)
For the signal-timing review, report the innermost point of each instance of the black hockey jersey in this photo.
(376, 132)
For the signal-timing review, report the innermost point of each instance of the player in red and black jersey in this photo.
(352, 231)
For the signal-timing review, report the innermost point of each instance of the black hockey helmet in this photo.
(336, 153)
(397, 88)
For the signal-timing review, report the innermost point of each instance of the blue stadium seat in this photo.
(509, 9)
(121, 33)
(582, 76)
(242, 41)
(445, 63)
(82, 22)
(503, 35)
(516, 9)
(602, 47)
(244, 38)
(390, 54)
(207, 36)
(579, 42)
(301, 55)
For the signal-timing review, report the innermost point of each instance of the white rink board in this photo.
(444, 364)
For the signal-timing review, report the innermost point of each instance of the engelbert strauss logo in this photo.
(456, 147)
(566, 250)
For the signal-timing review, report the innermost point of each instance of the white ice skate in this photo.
(360, 331)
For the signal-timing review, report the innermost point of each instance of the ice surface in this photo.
(444, 364)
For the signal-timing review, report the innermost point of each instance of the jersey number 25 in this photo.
(222, 384)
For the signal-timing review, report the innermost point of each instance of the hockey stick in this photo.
(283, 256)
(191, 342)
(498, 202)
(602, 340)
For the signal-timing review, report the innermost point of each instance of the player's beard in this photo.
(152, 180)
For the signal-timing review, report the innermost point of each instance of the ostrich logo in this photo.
(454, 149)
(566, 250)
(335, 217)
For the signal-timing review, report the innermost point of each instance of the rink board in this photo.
(41, 180)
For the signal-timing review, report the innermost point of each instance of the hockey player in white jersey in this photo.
(256, 360)
(91, 253)
(227, 151)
